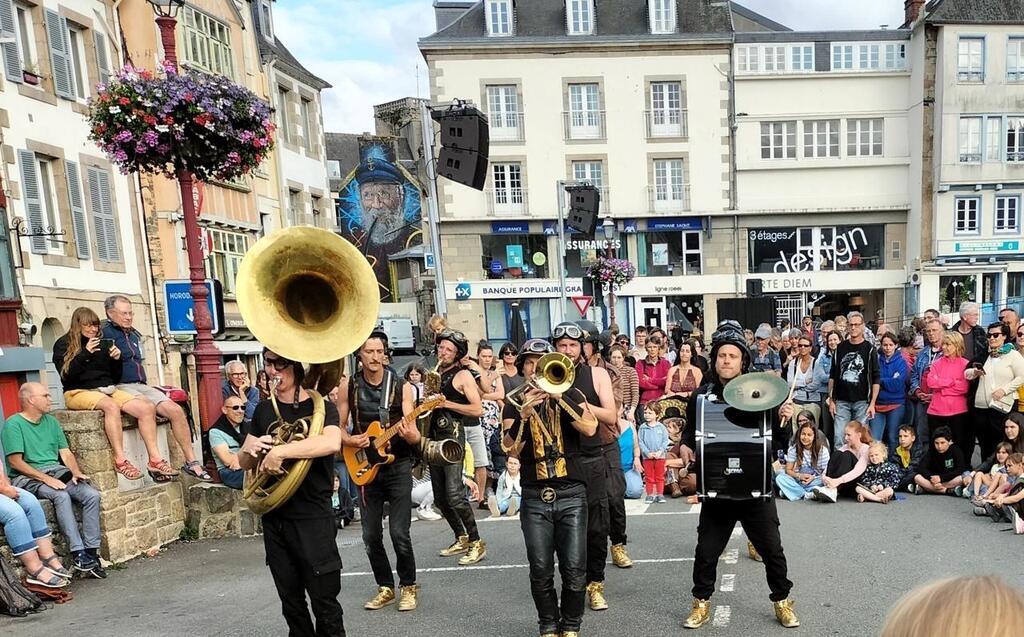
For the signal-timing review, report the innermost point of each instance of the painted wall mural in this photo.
(379, 208)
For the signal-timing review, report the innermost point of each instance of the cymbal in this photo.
(756, 391)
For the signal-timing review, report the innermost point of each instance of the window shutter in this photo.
(33, 199)
(60, 58)
(9, 50)
(102, 57)
(77, 209)
(104, 222)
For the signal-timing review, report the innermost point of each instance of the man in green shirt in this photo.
(40, 462)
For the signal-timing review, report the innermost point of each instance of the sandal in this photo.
(196, 470)
(127, 469)
(162, 471)
(60, 571)
(53, 581)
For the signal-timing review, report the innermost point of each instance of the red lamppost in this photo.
(611, 233)
(206, 353)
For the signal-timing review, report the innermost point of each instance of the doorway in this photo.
(650, 311)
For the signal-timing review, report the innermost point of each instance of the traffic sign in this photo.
(582, 304)
(180, 309)
(428, 260)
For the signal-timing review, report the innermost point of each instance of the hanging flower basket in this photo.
(613, 272)
(163, 122)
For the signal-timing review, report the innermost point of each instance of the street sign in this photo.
(582, 303)
(496, 267)
(428, 260)
(180, 309)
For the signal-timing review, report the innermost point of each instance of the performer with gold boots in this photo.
(596, 387)
(377, 394)
(730, 358)
(544, 422)
(461, 407)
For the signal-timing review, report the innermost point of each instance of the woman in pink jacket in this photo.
(652, 372)
(945, 381)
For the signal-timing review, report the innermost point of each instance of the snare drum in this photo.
(733, 452)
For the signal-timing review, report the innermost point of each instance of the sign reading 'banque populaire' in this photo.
(510, 290)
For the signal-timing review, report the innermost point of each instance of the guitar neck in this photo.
(389, 433)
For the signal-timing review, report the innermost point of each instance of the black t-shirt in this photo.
(313, 497)
(364, 401)
(854, 370)
(945, 465)
(571, 439)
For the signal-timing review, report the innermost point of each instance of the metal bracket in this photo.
(21, 230)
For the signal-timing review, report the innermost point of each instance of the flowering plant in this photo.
(612, 272)
(166, 121)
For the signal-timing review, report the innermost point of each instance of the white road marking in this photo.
(722, 616)
(737, 531)
(732, 556)
(503, 567)
(728, 582)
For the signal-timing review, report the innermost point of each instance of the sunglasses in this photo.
(279, 364)
(994, 334)
(805, 345)
(236, 408)
(508, 353)
(1020, 334)
(571, 331)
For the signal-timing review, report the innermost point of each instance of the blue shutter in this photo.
(78, 217)
(103, 217)
(9, 50)
(60, 54)
(102, 57)
(32, 194)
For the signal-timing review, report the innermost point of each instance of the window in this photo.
(585, 112)
(663, 16)
(864, 137)
(896, 251)
(266, 23)
(592, 171)
(669, 253)
(1015, 60)
(748, 59)
(534, 313)
(802, 57)
(968, 215)
(813, 249)
(499, 17)
(580, 16)
(316, 203)
(993, 138)
(282, 113)
(20, 54)
(1015, 139)
(1008, 213)
(895, 56)
(225, 259)
(308, 117)
(869, 56)
(79, 72)
(775, 59)
(666, 118)
(778, 140)
(207, 43)
(296, 208)
(508, 187)
(970, 140)
(526, 250)
(971, 60)
(48, 197)
(503, 113)
(333, 169)
(821, 138)
(842, 57)
(669, 185)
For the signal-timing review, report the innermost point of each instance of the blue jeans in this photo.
(921, 423)
(82, 493)
(504, 502)
(886, 427)
(792, 488)
(23, 521)
(231, 477)
(845, 412)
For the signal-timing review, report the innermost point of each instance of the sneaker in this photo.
(355, 515)
(659, 499)
(407, 598)
(83, 562)
(619, 556)
(700, 615)
(825, 494)
(385, 595)
(475, 552)
(1016, 520)
(649, 499)
(513, 507)
(785, 614)
(980, 511)
(912, 488)
(98, 571)
(492, 506)
(810, 496)
(595, 593)
(994, 513)
(958, 491)
(458, 547)
(428, 514)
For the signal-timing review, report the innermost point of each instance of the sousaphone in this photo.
(309, 296)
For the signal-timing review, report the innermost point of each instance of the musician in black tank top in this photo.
(375, 393)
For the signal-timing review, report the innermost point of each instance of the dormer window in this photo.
(499, 17)
(579, 15)
(266, 20)
(663, 16)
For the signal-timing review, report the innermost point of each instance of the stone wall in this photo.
(216, 511)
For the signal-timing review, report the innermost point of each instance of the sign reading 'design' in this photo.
(181, 310)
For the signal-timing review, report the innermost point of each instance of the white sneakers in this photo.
(427, 514)
(825, 494)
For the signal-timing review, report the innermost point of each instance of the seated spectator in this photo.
(263, 384)
(237, 384)
(879, 481)
(806, 461)
(29, 536)
(1007, 507)
(90, 368)
(133, 380)
(846, 466)
(943, 468)
(509, 493)
(958, 607)
(226, 437)
(41, 463)
(907, 457)
(986, 482)
(423, 496)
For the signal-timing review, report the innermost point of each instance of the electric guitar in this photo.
(364, 462)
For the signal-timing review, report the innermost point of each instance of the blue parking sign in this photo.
(180, 309)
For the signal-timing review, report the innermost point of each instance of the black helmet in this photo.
(591, 329)
(532, 347)
(568, 329)
(457, 338)
(730, 332)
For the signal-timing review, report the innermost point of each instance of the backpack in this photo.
(15, 599)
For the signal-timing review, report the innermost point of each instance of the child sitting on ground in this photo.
(880, 479)
(907, 457)
(1007, 507)
(806, 462)
(986, 482)
(653, 438)
(508, 494)
(944, 467)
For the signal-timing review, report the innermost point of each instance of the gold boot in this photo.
(595, 591)
(407, 597)
(476, 552)
(785, 614)
(570, 633)
(551, 635)
(700, 614)
(460, 545)
(385, 595)
(752, 552)
(619, 556)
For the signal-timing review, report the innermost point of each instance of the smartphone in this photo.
(106, 344)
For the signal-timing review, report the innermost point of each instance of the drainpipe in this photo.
(733, 194)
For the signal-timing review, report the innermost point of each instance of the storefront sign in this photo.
(511, 289)
(629, 226)
(589, 244)
(514, 256)
(659, 254)
(496, 267)
(840, 252)
(674, 223)
(979, 247)
(787, 284)
(551, 228)
(510, 227)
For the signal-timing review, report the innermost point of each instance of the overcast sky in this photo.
(367, 48)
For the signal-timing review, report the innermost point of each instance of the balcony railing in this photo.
(666, 122)
(583, 125)
(502, 202)
(669, 198)
(507, 127)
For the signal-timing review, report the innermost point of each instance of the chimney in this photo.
(912, 11)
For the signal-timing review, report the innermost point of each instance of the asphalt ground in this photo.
(850, 562)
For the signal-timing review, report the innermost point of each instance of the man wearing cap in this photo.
(461, 407)
(765, 358)
(730, 358)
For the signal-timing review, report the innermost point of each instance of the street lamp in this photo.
(611, 233)
(206, 353)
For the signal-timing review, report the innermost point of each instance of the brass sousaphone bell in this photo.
(309, 296)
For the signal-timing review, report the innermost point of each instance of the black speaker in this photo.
(463, 167)
(755, 288)
(584, 207)
(466, 129)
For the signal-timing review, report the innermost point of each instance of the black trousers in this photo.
(839, 463)
(760, 521)
(616, 494)
(989, 428)
(393, 484)
(549, 529)
(595, 473)
(303, 559)
(450, 498)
